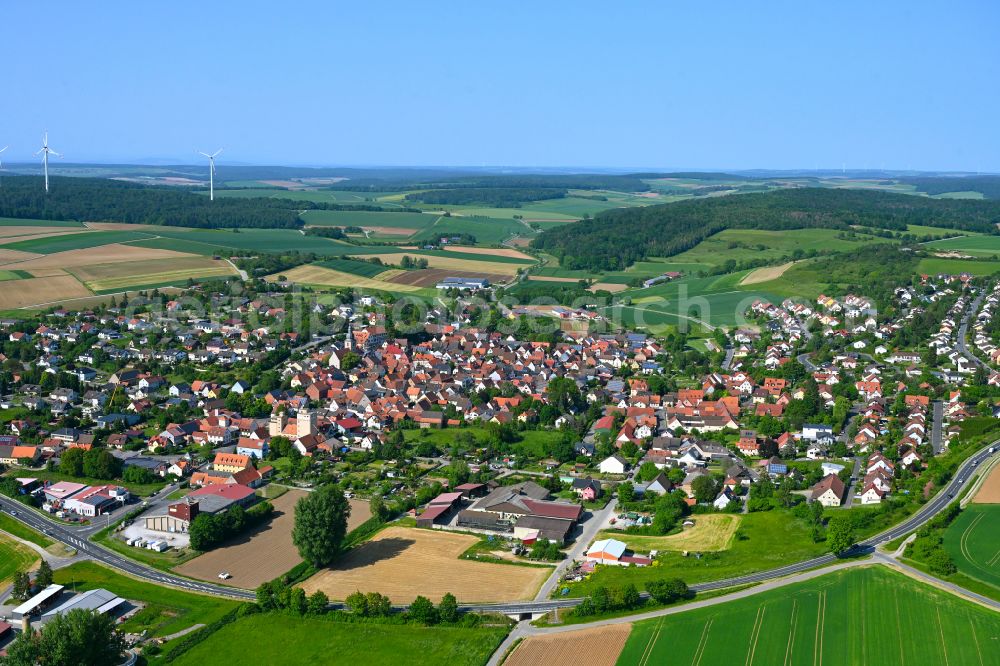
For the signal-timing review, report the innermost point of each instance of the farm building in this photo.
(470, 284)
(38, 603)
(177, 519)
(523, 509)
(439, 509)
(829, 491)
(216, 499)
(98, 600)
(612, 551)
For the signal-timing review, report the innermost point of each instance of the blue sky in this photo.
(626, 84)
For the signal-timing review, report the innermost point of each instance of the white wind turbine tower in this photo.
(44, 152)
(211, 172)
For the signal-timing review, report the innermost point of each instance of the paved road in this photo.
(728, 361)
(937, 427)
(804, 360)
(962, 340)
(590, 529)
(58, 532)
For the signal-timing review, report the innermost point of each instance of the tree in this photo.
(77, 638)
(704, 488)
(71, 462)
(317, 603)
(358, 603)
(648, 471)
(205, 531)
(100, 464)
(22, 586)
(350, 361)
(940, 562)
(297, 601)
(44, 576)
(667, 590)
(630, 597)
(448, 608)
(626, 492)
(422, 610)
(321, 524)
(379, 605)
(377, 507)
(839, 535)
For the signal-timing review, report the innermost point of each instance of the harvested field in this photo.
(47, 272)
(595, 647)
(403, 562)
(607, 286)
(766, 273)
(35, 291)
(989, 492)
(107, 277)
(9, 256)
(490, 251)
(105, 254)
(710, 533)
(359, 513)
(10, 232)
(546, 278)
(429, 277)
(261, 555)
(391, 231)
(451, 263)
(311, 274)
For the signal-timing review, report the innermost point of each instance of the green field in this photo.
(487, 230)
(210, 241)
(362, 268)
(765, 540)
(284, 639)
(167, 610)
(761, 244)
(26, 222)
(973, 245)
(533, 443)
(349, 218)
(717, 300)
(973, 541)
(14, 557)
(6, 275)
(860, 616)
(936, 265)
(75, 241)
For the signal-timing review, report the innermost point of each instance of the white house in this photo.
(613, 464)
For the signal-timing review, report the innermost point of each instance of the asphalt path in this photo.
(38, 521)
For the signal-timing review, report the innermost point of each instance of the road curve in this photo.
(58, 532)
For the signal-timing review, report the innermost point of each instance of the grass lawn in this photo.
(167, 611)
(874, 616)
(317, 640)
(14, 557)
(765, 540)
(968, 244)
(533, 443)
(22, 531)
(973, 541)
(711, 532)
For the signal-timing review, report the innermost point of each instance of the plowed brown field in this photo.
(989, 492)
(403, 562)
(594, 647)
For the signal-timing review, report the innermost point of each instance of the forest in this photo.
(989, 186)
(586, 181)
(104, 200)
(615, 239)
(497, 197)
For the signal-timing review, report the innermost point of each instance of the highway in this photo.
(58, 532)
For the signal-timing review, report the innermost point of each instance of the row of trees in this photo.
(208, 531)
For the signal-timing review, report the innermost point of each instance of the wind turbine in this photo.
(1, 150)
(211, 172)
(44, 152)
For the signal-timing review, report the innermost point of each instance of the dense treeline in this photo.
(989, 186)
(497, 197)
(617, 238)
(872, 270)
(104, 200)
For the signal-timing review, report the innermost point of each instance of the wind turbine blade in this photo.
(40, 151)
(52, 152)
(4, 148)
(218, 152)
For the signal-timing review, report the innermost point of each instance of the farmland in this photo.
(859, 616)
(711, 532)
(989, 493)
(403, 562)
(742, 244)
(974, 245)
(973, 541)
(262, 554)
(314, 274)
(368, 219)
(75, 241)
(936, 265)
(452, 261)
(315, 640)
(362, 268)
(127, 275)
(595, 647)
